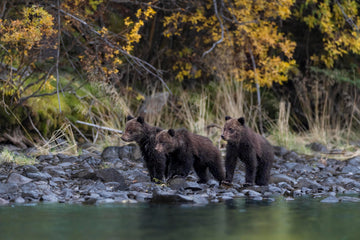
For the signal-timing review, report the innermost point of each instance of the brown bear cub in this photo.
(143, 134)
(185, 150)
(252, 149)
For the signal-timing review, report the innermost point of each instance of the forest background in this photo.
(291, 68)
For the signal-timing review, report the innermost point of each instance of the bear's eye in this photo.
(231, 130)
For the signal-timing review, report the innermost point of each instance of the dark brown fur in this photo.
(252, 149)
(143, 134)
(186, 150)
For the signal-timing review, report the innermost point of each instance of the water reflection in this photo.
(233, 219)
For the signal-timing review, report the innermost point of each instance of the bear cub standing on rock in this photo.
(185, 150)
(144, 135)
(252, 149)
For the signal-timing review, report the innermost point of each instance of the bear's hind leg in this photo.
(201, 171)
(263, 173)
(216, 169)
(251, 168)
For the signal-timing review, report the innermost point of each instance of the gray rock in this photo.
(143, 197)
(141, 187)
(18, 179)
(306, 190)
(55, 171)
(58, 180)
(111, 154)
(275, 190)
(280, 151)
(212, 183)
(200, 199)
(285, 185)
(51, 197)
(227, 196)
(290, 165)
(170, 197)
(304, 169)
(282, 178)
(3, 201)
(30, 169)
(307, 183)
(354, 161)
(297, 193)
(351, 169)
(3, 177)
(29, 190)
(339, 189)
(89, 159)
(348, 182)
(257, 198)
(20, 200)
(128, 152)
(89, 201)
(330, 199)
(111, 175)
(106, 201)
(66, 165)
(113, 186)
(67, 194)
(39, 176)
(108, 175)
(194, 186)
(177, 183)
(291, 156)
(45, 158)
(137, 175)
(349, 199)
(317, 147)
(6, 188)
(66, 158)
(251, 193)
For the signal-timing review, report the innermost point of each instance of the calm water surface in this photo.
(240, 219)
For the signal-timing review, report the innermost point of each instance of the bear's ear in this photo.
(227, 118)
(241, 121)
(129, 117)
(171, 132)
(140, 120)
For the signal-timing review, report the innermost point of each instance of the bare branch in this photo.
(222, 30)
(37, 130)
(34, 94)
(257, 89)
(99, 127)
(58, 55)
(147, 67)
(81, 134)
(147, 4)
(3, 8)
(347, 18)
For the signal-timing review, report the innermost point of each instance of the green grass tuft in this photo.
(12, 157)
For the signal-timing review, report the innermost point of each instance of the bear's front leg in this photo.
(159, 171)
(230, 164)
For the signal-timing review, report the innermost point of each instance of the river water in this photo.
(237, 219)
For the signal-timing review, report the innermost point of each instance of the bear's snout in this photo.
(223, 137)
(158, 148)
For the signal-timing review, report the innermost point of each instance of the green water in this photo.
(240, 219)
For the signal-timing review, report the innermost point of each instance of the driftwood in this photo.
(100, 127)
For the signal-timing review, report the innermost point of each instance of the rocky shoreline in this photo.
(118, 175)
